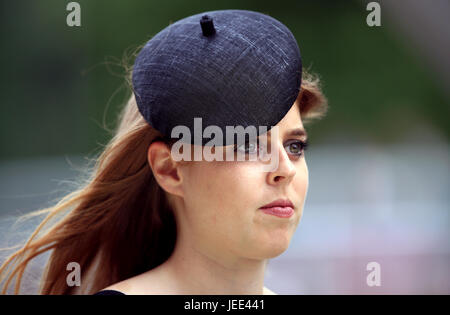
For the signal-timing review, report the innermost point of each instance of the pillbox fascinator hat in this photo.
(228, 67)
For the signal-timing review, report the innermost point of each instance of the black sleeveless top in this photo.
(109, 292)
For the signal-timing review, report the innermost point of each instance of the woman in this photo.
(146, 223)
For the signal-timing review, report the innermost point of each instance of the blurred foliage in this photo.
(60, 84)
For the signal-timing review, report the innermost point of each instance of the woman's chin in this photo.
(272, 248)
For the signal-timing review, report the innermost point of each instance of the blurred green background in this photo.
(62, 85)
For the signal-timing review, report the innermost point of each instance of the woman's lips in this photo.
(282, 208)
(282, 212)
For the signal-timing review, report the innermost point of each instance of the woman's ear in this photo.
(164, 168)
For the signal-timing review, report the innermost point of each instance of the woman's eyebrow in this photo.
(297, 132)
(293, 132)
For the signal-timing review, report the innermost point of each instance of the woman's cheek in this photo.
(301, 183)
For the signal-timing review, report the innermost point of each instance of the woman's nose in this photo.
(285, 171)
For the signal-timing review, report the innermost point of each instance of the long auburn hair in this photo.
(118, 223)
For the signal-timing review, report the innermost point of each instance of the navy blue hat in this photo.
(229, 67)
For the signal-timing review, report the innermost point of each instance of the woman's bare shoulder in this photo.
(132, 286)
(122, 286)
(148, 283)
(153, 282)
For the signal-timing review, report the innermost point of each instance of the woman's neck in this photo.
(191, 271)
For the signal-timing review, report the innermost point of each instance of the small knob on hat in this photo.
(207, 25)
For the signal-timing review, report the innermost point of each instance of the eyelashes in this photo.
(295, 147)
(300, 146)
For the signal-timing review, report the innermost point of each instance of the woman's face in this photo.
(221, 199)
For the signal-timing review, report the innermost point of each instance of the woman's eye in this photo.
(297, 147)
(248, 148)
